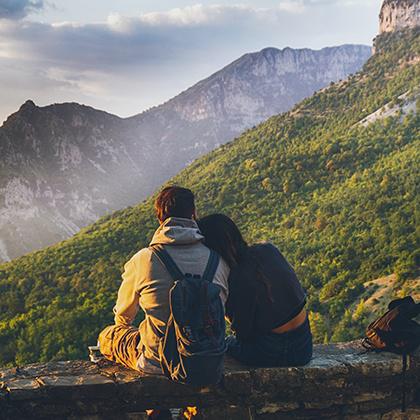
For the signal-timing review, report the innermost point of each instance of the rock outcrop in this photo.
(399, 14)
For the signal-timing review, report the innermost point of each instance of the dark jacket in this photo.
(264, 292)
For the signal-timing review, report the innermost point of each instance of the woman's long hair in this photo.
(222, 235)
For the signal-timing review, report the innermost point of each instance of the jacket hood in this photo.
(177, 231)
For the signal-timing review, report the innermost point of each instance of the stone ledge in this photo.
(340, 382)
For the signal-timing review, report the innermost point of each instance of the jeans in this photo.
(293, 348)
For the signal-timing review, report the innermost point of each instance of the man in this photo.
(146, 284)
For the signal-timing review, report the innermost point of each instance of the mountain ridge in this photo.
(64, 165)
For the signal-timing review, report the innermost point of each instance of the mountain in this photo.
(63, 166)
(399, 14)
(335, 192)
(255, 87)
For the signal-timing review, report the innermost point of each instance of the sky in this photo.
(126, 56)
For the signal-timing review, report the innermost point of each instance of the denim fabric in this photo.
(293, 348)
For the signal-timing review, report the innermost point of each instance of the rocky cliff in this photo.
(399, 14)
(258, 85)
(65, 165)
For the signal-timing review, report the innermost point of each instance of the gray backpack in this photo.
(193, 348)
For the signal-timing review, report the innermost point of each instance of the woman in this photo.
(266, 304)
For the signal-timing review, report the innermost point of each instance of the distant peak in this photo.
(29, 104)
(269, 50)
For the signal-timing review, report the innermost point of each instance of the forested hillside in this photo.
(338, 197)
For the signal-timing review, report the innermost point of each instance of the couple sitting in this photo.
(259, 291)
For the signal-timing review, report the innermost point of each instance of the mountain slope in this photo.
(338, 198)
(63, 166)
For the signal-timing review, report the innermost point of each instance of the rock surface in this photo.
(65, 165)
(340, 382)
(399, 14)
(406, 104)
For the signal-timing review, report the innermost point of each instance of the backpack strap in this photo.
(167, 261)
(208, 275)
(212, 265)
(176, 273)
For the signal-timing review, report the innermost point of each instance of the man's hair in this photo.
(174, 201)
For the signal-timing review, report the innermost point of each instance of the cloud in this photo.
(199, 14)
(202, 15)
(120, 41)
(127, 63)
(18, 9)
(292, 6)
(299, 6)
(158, 38)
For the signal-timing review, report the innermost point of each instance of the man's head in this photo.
(175, 201)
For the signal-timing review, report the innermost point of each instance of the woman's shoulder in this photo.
(264, 247)
(268, 253)
(260, 254)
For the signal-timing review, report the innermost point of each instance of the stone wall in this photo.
(340, 383)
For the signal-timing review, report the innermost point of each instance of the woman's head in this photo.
(223, 236)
